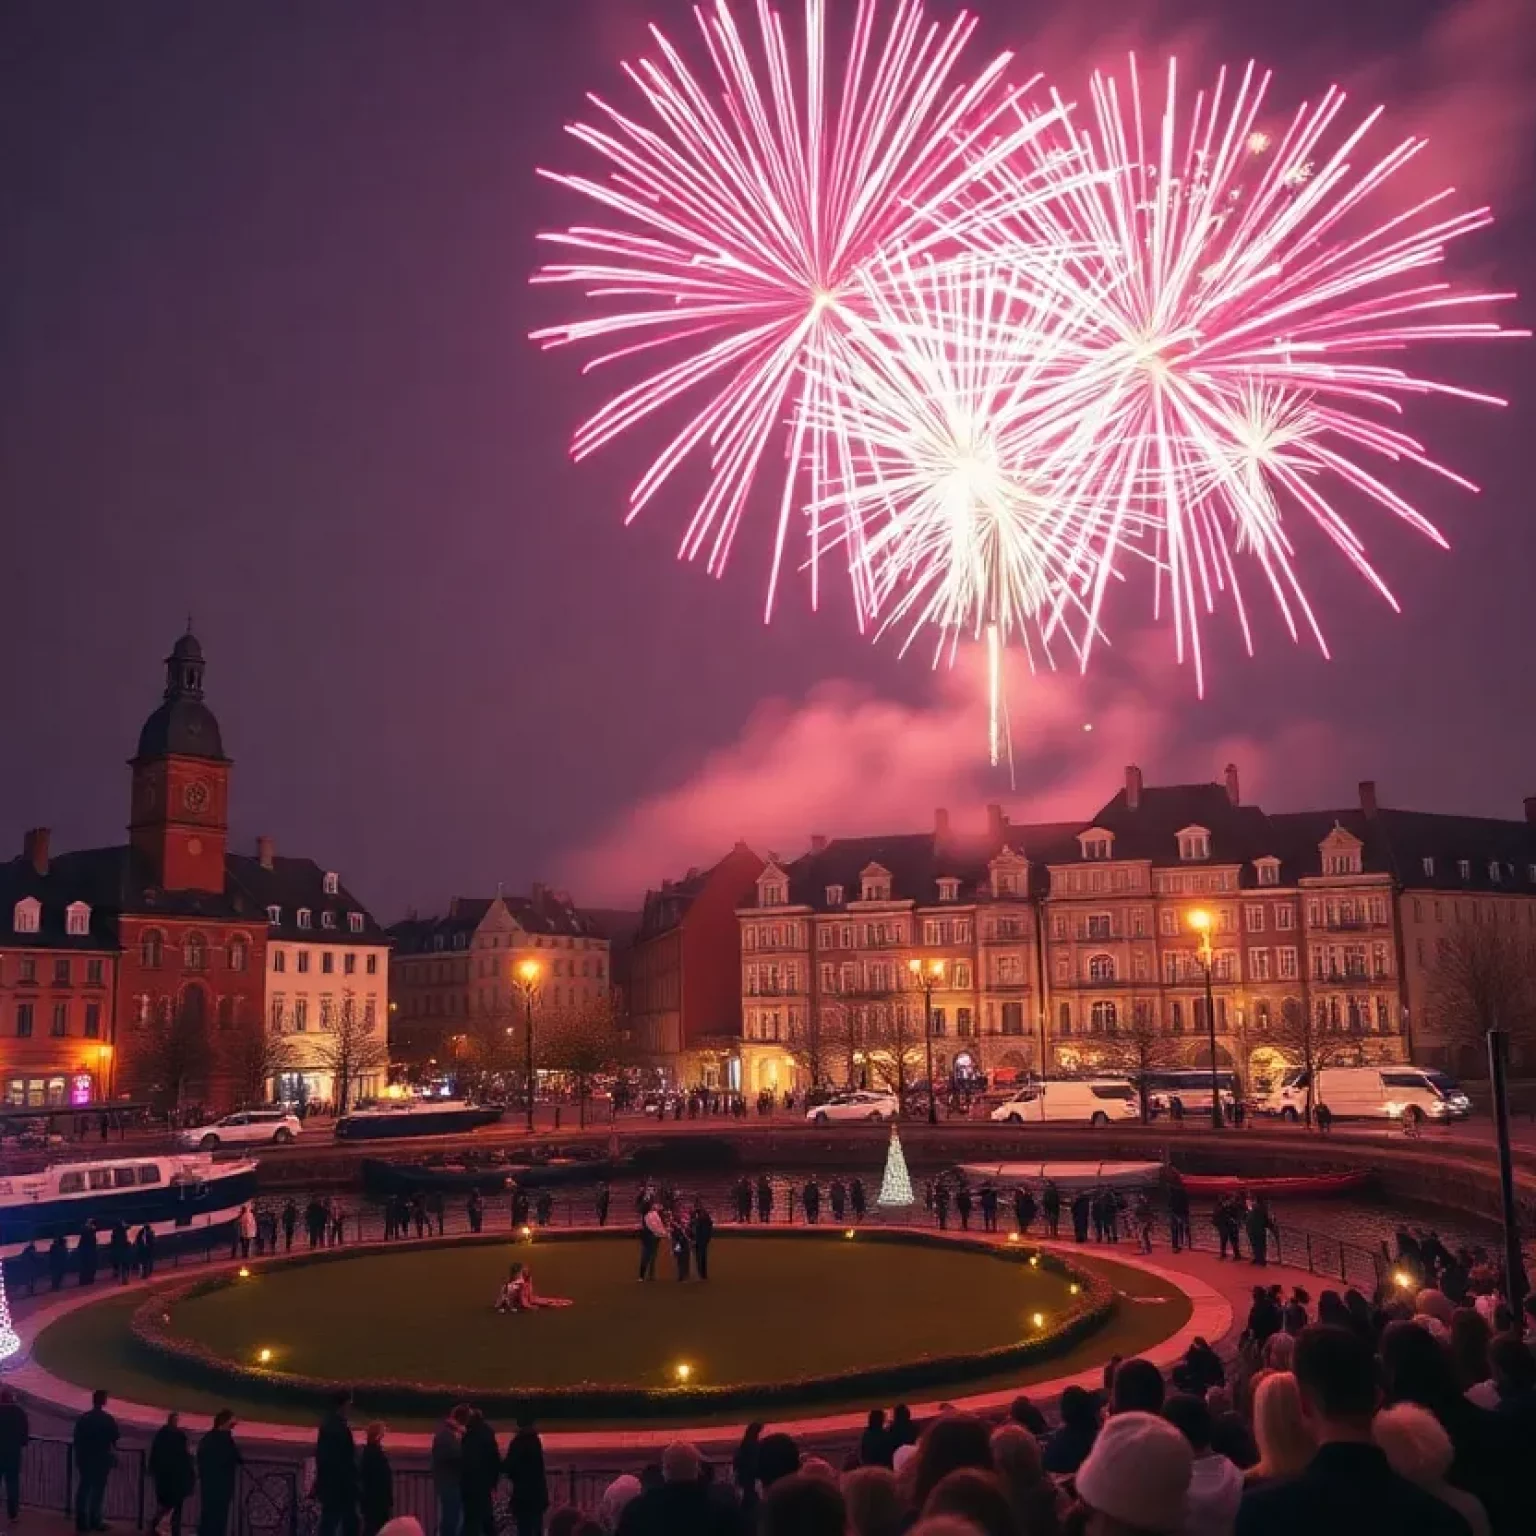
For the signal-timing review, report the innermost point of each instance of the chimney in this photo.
(1232, 790)
(264, 850)
(453, 906)
(941, 825)
(818, 842)
(34, 849)
(1132, 788)
(1530, 808)
(1368, 797)
(996, 822)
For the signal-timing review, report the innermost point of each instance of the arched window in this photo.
(1065, 1016)
(194, 952)
(1104, 1018)
(151, 947)
(1101, 968)
(239, 953)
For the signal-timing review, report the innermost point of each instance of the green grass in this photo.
(772, 1309)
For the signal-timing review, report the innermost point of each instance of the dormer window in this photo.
(1096, 846)
(437, 941)
(274, 915)
(875, 883)
(28, 914)
(773, 895)
(834, 895)
(1494, 872)
(949, 888)
(1429, 867)
(305, 918)
(77, 920)
(1530, 873)
(355, 921)
(1194, 844)
(1464, 868)
(1267, 870)
(327, 919)
(1341, 851)
(332, 882)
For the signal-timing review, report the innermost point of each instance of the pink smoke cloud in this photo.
(846, 763)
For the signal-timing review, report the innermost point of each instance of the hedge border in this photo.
(152, 1333)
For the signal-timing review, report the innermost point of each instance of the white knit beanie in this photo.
(1138, 1472)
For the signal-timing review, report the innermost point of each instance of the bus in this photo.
(1189, 1088)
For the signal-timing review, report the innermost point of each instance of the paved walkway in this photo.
(1219, 1292)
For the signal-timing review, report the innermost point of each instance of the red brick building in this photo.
(685, 971)
(129, 945)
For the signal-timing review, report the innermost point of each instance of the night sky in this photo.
(263, 359)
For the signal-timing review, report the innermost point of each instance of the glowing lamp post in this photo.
(1200, 920)
(926, 977)
(527, 979)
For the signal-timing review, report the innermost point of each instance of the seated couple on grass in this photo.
(517, 1295)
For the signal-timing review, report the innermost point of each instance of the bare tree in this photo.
(894, 1044)
(494, 1051)
(351, 1049)
(1318, 1041)
(1136, 1049)
(583, 1042)
(1484, 978)
(822, 1043)
(177, 1055)
(254, 1055)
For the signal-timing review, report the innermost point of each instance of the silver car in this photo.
(274, 1127)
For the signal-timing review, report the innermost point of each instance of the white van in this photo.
(1368, 1093)
(1098, 1100)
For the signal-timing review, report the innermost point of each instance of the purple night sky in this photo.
(263, 358)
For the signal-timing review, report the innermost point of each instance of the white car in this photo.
(1097, 1100)
(862, 1105)
(275, 1127)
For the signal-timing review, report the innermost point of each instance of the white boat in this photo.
(416, 1117)
(1067, 1176)
(171, 1194)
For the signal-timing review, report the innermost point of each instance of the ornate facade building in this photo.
(1070, 945)
(146, 962)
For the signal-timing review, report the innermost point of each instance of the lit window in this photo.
(332, 883)
(77, 919)
(834, 895)
(1101, 968)
(28, 911)
(949, 889)
(305, 918)
(237, 954)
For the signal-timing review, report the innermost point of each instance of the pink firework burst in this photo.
(741, 210)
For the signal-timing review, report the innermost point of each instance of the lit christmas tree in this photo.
(9, 1343)
(896, 1186)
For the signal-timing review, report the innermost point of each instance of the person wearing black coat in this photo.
(479, 1472)
(15, 1433)
(95, 1442)
(701, 1229)
(172, 1471)
(525, 1472)
(875, 1448)
(218, 1470)
(85, 1252)
(144, 1251)
(121, 1253)
(336, 1470)
(375, 1483)
(1050, 1204)
(290, 1224)
(1082, 1208)
(58, 1261)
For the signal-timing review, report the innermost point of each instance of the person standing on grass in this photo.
(653, 1233)
(95, 1443)
(447, 1471)
(336, 1470)
(525, 1472)
(677, 1237)
(218, 1468)
(15, 1434)
(375, 1483)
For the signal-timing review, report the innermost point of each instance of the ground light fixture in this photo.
(848, 1232)
(526, 1233)
(264, 1356)
(243, 1272)
(683, 1371)
(1034, 1261)
(1038, 1319)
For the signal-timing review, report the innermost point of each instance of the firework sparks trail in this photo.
(1246, 298)
(740, 214)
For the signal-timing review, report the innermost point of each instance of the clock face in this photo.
(195, 796)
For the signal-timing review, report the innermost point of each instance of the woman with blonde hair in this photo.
(1285, 1443)
(874, 1504)
(1417, 1447)
(1279, 1350)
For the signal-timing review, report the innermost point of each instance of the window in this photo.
(279, 961)
(61, 971)
(1341, 863)
(939, 1025)
(1253, 917)
(28, 911)
(238, 953)
(876, 888)
(327, 919)
(349, 964)
(1101, 968)
(1097, 926)
(60, 1026)
(1168, 923)
(277, 1014)
(1428, 865)
(1285, 919)
(1013, 1018)
(1103, 1018)
(274, 915)
(1064, 1019)
(305, 916)
(331, 883)
(962, 975)
(1495, 871)
(93, 973)
(1258, 964)
(150, 950)
(24, 1020)
(1139, 923)
(372, 967)
(1378, 960)
(303, 962)
(1194, 844)
(1141, 965)
(27, 968)
(773, 895)
(327, 963)
(1464, 868)
(93, 1021)
(328, 1011)
(194, 952)
(1383, 1017)
(1285, 964)
(1268, 871)
(355, 922)
(1095, 847)
(1177, 1017)
(77, 919)
(949, 889)
(301, 1014)
(963, 1025)
(1170, 967)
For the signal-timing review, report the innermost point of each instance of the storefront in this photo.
(56, 1090)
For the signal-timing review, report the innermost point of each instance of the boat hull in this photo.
(1069, 1175)
(417, 1122)
(1295, 1185)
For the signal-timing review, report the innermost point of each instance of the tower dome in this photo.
(183, 726)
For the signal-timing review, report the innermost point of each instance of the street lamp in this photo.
(527, 979)
(926, 977)
(1200, 921)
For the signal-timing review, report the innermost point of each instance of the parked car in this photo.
(1098, 1100)
(1370, 1093)
(865, 1104)
(247, 1126)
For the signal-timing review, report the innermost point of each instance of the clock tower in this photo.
(179, 823)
